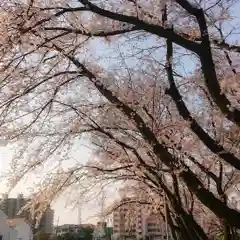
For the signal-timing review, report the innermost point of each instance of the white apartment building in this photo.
(6, 232)
(22, 227)
(71, 228)
(131, 221)
(67, 228)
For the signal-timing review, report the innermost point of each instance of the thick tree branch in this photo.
(208, 67)
(191, 180)
(223, 45)
(210, 76)
(194, 126)
(154, 29)
(91, 34)
(57, 14)
(110, 170)
(189, 7)
(209, 200)
(204, 169)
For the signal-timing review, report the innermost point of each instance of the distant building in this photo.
(12, 206)
(235, 202)
(23, 228)
(68, 228)
(81, 230)
(132, 221)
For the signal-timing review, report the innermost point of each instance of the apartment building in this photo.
(128, 220)
(71, 228)
(155, 229)
(12, 206)
(67, 228)
(132, 221)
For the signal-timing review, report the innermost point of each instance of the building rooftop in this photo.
(75, 226)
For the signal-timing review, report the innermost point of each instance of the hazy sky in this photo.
(63, 213)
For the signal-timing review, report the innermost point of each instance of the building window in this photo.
(151, 224)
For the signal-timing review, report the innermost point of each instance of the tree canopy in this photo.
(152, 85)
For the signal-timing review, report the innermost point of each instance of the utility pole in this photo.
(103, 197)
(57, 221)
(79, 213)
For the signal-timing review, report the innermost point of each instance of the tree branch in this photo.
(90, 34)
(57, 14)
(191, 180)
(194, 126)
(208, 67)
(151, 28)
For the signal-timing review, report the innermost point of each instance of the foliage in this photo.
(67, 236)
(43, 236)
(158, 100)
(85, 234)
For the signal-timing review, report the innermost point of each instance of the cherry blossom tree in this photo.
(158, 100)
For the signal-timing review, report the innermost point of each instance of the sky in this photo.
(66, 210)
(60, 206)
